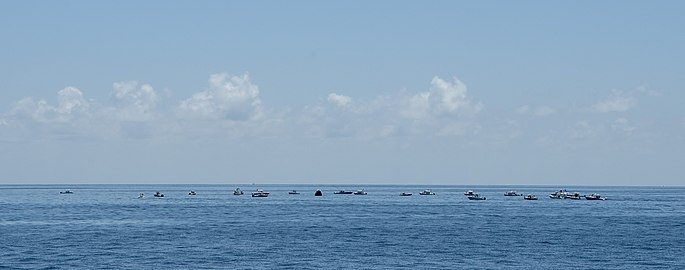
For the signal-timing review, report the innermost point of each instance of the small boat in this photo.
(561, 194)
(260, 193)
(476, 197)
(530, 197)
(318, 193)
(427, 192)
(293, 192)
(595, 197)
(512, 193)
(360, 192)
(469, 193)
(141, 195)
(343, 192)
(192, 193)
(237, 191)
(66, 192)
(158, 194)
(574, 196)
(405, 194)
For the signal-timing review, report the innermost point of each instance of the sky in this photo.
(344, 92)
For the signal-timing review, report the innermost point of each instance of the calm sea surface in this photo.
(106, 226)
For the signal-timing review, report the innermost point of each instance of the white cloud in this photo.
(616, 102)
(623, 125)
(442, 99)
(71, 103)
(228, 97)
(644, 89)
(339, 100)
(133, 103)
(536, 111)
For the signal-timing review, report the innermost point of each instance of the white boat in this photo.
(66, 192)
(530, 197)
(237, 191)
(318, 193)
(427, 192)
(476, 197)
(260, 193)
(512, 193)
(405, 194)
(192, 193)
(141, 195)
(158, 194)
(469, 193)
(561, 194)
(574, 196)
(360, 192)
(595, 197)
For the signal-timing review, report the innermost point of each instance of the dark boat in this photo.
(342, 192)
(318, 193)
(66, 192)
(530, 197)
(294, 192)
(595, 197)
(158, 194)
(405, 194)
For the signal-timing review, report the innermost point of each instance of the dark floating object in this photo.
(192, 193)
(294, 192)
(342, 192)
(595, 197)
(318, 193)
(158, 194)
(66, 192)
(405, 194)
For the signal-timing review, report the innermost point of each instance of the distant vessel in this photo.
(293, 192)
(66, 192)
(561, 194)
(158, 194)
(512, 193)
(574, 196)
(405, 194)
(343, 192)
(318, 193)
(141, 195)
(192, 193)
(260, 193)
(476, 197)
(595, 197)
(469, 193)
(427, 192)
(237, 191)
(360, 192)
(530, 197)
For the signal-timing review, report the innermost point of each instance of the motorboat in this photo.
(66, 192)
(427, 192)
(238, 191)
(476, 197)
(530, 197)
(574, 196)
(561, 194)
(360, 192)
(293, 192)
(595, 197)
(158, 194)
(318, 193)
(192, 193)
(512, 193)
(469, 193)
(343, 192)
(260, 193)
(141, 195)
(405, 194)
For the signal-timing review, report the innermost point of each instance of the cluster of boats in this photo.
(470, 194)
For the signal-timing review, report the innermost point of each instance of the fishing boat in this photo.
(158, 194)
(141, 195)
(530, 197)
(360, 192)
(66, 192)
(405, 194)
(476, 197)
(343, 192)
(238, 191)
(293, 192)
(260, 193)
(512, 193)
(427, 192)
(561, 194)
(595, 197)
(469, 193)
(192, 193)
(574, 196)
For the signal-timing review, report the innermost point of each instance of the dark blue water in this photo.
(105, 226)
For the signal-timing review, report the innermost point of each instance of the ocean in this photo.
(107, 226)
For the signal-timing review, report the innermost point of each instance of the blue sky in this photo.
(440, 92)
